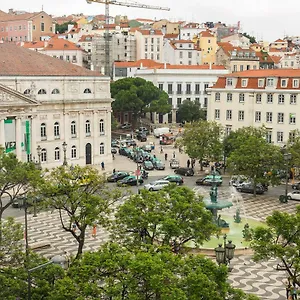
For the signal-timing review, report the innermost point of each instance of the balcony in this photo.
(188, 92)
(197, 92)
(44, 138)
(179, 92)
(170, 92)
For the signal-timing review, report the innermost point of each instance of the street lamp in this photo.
(287, 157)
(39, 152)
(225, 253)
(64, 145)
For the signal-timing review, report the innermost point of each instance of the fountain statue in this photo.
(237, 216)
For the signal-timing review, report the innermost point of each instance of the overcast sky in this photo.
(267, 19)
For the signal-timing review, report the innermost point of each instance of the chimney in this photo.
(11, 11)
(141, 65)
(210, 65)
(165, 65)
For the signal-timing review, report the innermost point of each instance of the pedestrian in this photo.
(193, 163)
(166, 156)
(154, 156)
(287, 284)
(94, 231)
(294, 292)
(114, 171)
(188, 163)
(102, 166)
(74, 227)
(180, 149)
(174, 155)
(161, 150)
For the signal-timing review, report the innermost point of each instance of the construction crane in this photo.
(107, 68)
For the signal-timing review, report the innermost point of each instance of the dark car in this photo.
(124, 151)
(296, 186)
(125, 126)
(143, 130)
(209, 180)
(174, 178)
(249, 188)
(117, 176)
(148, 165)
(159, 165)
(130, 142)
(184, 171)
(142, 137)
(130, 180)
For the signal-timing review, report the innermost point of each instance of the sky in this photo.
(264, 19)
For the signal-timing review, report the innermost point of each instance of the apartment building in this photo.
(207, 43)
(256, 98)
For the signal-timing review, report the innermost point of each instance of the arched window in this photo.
(73, 129)
(43, 155)
(55, 91)
(87, 128)
(27, 92)
(42, 92)
(56, 154)
(56, 130)
(73, 152)
(87, 91)
(101, 126)
(102, 148)
(43, 131)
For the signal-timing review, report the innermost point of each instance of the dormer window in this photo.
(261, 83)
(229, 81)
(295, 83)
(244, 82)
(283, 83)
(270, 82)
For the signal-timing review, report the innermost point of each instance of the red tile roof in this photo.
(86, 38)
(171, 35)
(11, 17)
(206, 33)
(60, 44)
(267, 73)
(147, 32)
(18, 61)
(276, 59)
(280, 41)
(132, 64)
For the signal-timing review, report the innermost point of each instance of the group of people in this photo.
(191, 163)
(291, 290)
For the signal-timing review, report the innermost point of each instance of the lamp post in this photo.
(39, 152)
(287, 157)
(225, 253)
(64, 145)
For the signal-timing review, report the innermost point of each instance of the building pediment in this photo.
(12, 98)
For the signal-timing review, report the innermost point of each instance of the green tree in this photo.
(81, 194)
(138, 96)
(62, 28)
(190, 111)
(293, 147)
(281, 240)
(172, 217)
(256, 165)
(202, 140)
(250, 37)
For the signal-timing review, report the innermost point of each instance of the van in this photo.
(160, 131)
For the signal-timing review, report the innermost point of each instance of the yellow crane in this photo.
(106, 37)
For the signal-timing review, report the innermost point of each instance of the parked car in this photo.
(184, 171)
(148, 165)
(174, 163)
(125, 126)
(117, 176)
(249, 188)
(296, 186)
(294, 195)
(156, 185)
(147, 148)
(159, 131)
(124, 151)
(174, 178)
(143, 130)
(159, 165)
(141, 137)
(130, 142)
(236, 180)
(209, 180)
(129, 180)
(115, 144)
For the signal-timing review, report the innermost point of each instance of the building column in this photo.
(18, 138)
(2, 133)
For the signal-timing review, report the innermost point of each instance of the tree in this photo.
(114, 273)
(138, 96)
(190, 111)
(202, 140)
(171, 217)
(81, 194)
(281, 240)
(250, 37)
(17, 179)
(293, 147)
(62, 28)
(266, 158)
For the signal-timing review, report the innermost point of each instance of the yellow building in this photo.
(207, 42)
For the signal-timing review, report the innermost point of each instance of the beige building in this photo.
(237, 40)
(207, 44)
(256, 98)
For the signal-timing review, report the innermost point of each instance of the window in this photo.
(101, 126)
(293, 99)
(279, 136)
(43, 155)
(241, 98)
(258, 98)
(180, 54)
(55, 91)
(73, 129)
(244, 82)
(42, 92)
(229, 114)
(241, 115)
(217, 114)
(269, 136)
(283, 83)
(205, 102)
(87, 128)
(257, 116)
(188, 88)
(280, 118)
(229, 81)
(269, 117)
(228, 130)
(27, 92)
(43, 131)
(205, 87)
(197, 88)
(292, 136)
(170, 88)
(270, 98)
(73, 152)
(229, 97)
(281, 99)
(170, 101)
(189, 54)
(261, 82)
(56, 154)
(56, 130)
(217, 97)
(235, 68)
(179, 88)
(292, 118)
(42, 26)
(295, 83)
(241, 68)
(270, 82)
(102, 148)
(197, 101)
(161, 86)
(178, 101)
(87, 91)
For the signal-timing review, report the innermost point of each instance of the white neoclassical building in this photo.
(46, 102)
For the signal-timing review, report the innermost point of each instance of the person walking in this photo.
(161, 149)
(193, 163)
(102, 166)
(188, 163)
(114, 171)
(288, 286)
(174, 154)
(74, 227)
(166, 156)
(94, 231)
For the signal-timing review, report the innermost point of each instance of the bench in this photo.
(39, 245)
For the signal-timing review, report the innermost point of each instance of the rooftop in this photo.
(267, 73)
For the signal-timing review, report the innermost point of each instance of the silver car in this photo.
(156, 185)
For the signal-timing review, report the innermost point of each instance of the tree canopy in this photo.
(250, 37)
(190, 111)
(62, 28)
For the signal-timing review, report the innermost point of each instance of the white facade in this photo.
(72, 56)
(237, 40)
(188, 32)
(290, 61)
(46, 111)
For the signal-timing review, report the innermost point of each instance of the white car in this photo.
(294, 195)
(156, 185)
